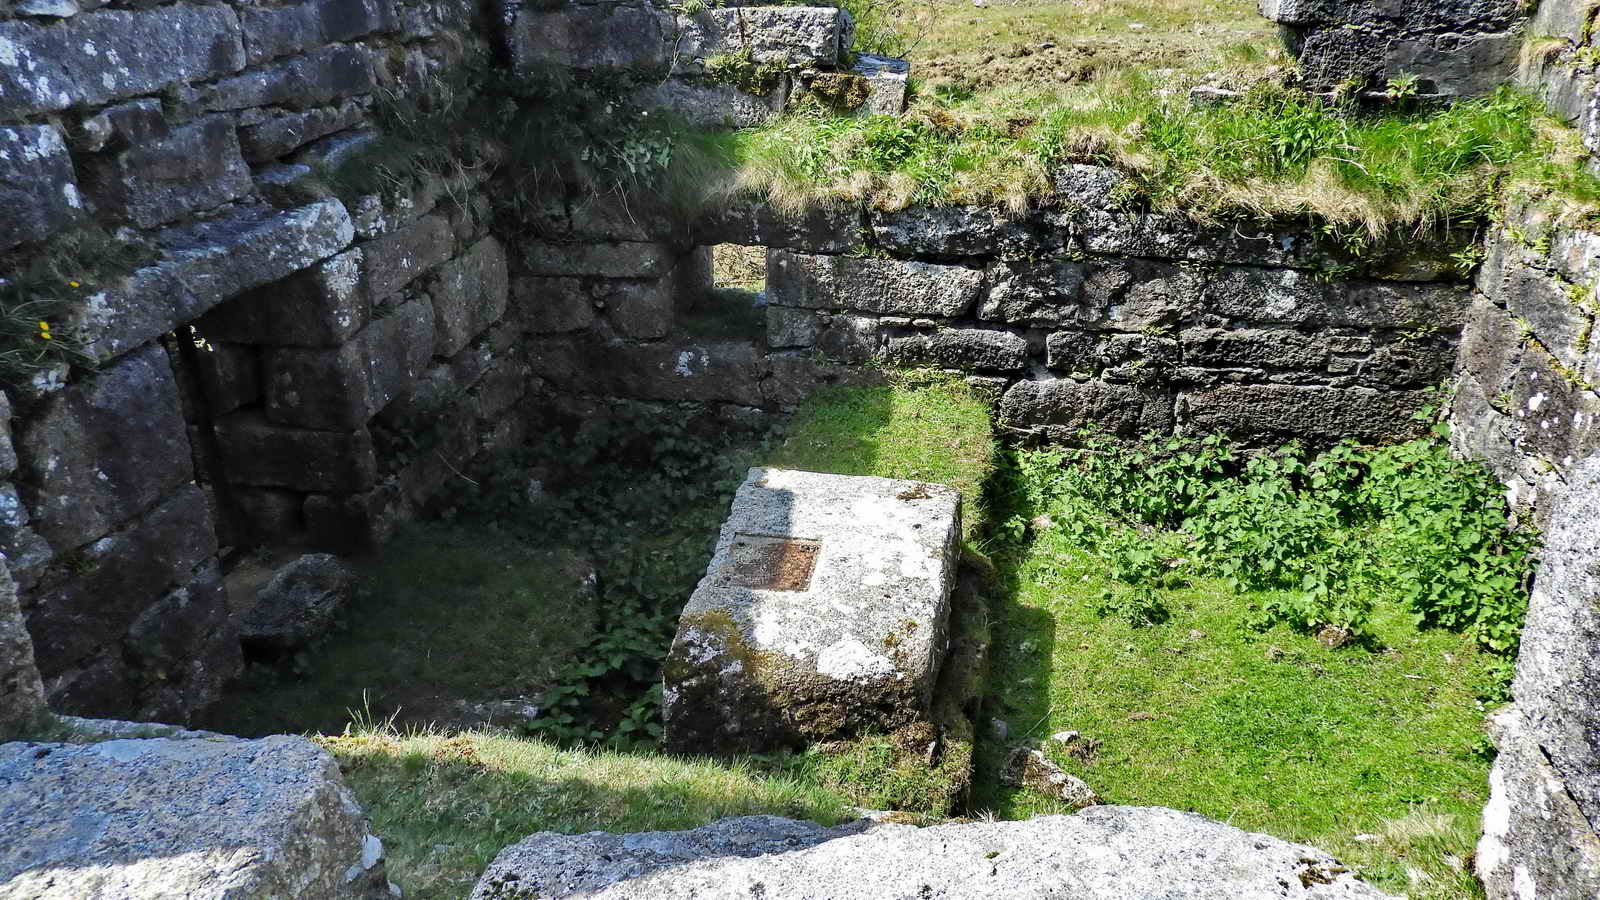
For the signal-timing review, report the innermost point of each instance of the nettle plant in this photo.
(1321, 537)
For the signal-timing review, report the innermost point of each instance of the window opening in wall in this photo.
(732, 305)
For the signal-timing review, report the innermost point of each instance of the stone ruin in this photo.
(249, 368)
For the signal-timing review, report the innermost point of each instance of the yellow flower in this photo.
(72, 284)
(44, 330)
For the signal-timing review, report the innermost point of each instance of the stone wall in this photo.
(1453, 48)
(1527, 403)
(1558, 64)
(238, 369)
(1527, 398)
(291, 366)
(1075, 315)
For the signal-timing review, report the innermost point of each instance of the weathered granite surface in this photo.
(855, 641)
(1104, 853)
(1453, 48)
(22, 703)
(299, 604)
(1539, 835)
(189, 816)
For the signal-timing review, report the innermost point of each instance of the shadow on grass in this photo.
(446, 804)
(1023, 645)
(442, 614)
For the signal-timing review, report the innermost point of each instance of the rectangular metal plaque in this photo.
(770, 563)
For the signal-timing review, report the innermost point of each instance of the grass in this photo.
(445, 804)
(1269, 732)
(1005, 96)
(1370, 748)
(1274, 154)
(444, 614)
(1041, 43)
(918, 426)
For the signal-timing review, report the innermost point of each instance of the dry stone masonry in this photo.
(263, 366)
(1451, 48)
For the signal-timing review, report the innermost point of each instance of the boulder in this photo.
(961, 348)
(724, 372)
(888, 81)
(1291, 297)
(712, 105)
(322, 306)
(200, 816)
(822, 613)
(1058, 408)
(752, 223)
(798, 36)
(103, 450)
(618, 259)
(322, 76)
(469, 295)
(81, 612)
(1102, 853)
(1537, 842)
(1031, 769)
(205, 263)
(1458, 48)
(299, 604)
(633, 38)
(1271, 413)
(343, 388)
(254, 451)
(190, 169)
(1545, 787)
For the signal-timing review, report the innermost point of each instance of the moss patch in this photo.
(841, 91)
(740, 70)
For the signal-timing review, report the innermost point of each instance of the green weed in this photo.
(1323, 537)
(1331, 629)
(40, 292)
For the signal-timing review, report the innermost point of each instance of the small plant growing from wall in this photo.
(39, 299)
(547, 133)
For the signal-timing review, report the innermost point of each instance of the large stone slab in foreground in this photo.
(196, 816)
(822, 613)
(1103, 853)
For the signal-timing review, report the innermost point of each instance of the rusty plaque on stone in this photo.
(770, 563)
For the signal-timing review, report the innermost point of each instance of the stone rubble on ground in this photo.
(1030, 768)
(299, 604)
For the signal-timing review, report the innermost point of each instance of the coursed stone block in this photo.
(822, 613)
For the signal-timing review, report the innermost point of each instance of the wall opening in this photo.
(732, 305)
